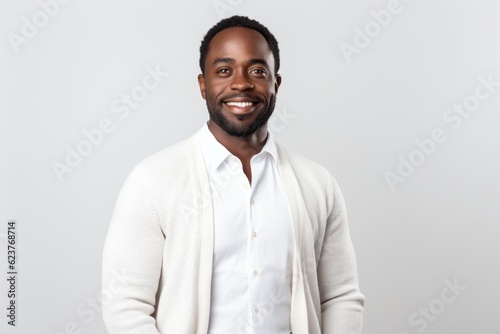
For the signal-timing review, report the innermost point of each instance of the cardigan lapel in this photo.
(206, 230)
(299, 314)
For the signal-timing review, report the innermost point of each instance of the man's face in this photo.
(239, 84)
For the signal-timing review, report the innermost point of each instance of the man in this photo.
(226, 232)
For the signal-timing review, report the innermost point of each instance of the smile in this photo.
(240, 104)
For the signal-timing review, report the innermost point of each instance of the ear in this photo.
(277, 83)
(201, 83)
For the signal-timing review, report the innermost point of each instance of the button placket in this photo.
(253, 270)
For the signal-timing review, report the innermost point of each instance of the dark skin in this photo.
(240, 84)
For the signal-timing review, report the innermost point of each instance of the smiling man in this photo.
(226, 232)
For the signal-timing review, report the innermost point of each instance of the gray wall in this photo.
(400, 111)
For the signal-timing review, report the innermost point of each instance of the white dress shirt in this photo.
(253, 242)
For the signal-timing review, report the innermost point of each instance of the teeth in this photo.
(240, 104)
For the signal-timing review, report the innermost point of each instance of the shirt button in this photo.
(252, 202)
(254, 234)
(256, 310)
(255, 273)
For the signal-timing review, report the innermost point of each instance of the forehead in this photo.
(239, 42)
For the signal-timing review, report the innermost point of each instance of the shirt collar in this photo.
(216, 153)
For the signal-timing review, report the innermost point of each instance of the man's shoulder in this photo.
(170, 155)
(170, 162)
(313, 178)
(303, 165)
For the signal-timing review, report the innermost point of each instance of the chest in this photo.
(250, 219)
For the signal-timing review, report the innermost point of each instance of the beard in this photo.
(237, 129)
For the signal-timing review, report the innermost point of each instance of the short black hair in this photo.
(239, 21)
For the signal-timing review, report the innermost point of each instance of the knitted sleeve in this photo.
(133, 248)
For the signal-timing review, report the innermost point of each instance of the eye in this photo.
(258, 71)
(223, 71)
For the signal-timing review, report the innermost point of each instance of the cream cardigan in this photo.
(161, 238)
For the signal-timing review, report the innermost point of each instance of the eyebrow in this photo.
(223, 60)
(252, 61)
(255, 61)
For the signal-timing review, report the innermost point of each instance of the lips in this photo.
(240, 104)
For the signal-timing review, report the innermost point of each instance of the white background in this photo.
(355, 115)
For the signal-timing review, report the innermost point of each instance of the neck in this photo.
(242, 147)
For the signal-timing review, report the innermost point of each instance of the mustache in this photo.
(241, 95)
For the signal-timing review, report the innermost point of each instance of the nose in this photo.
(241, 82)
